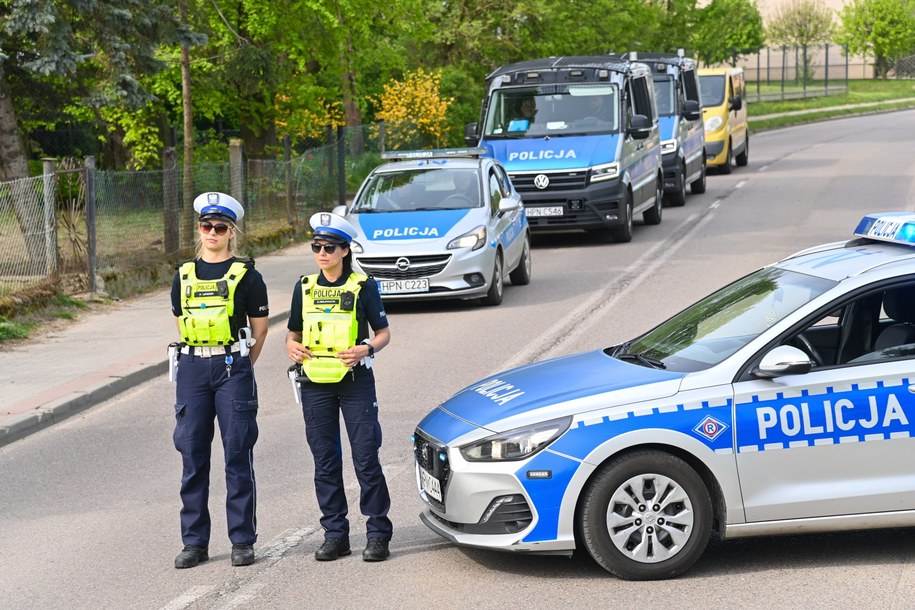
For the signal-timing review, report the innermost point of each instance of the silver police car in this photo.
(782, 403)
(441, 224)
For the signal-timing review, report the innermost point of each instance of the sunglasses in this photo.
(329, 248)
(206, 227)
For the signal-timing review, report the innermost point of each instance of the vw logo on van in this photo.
(403, 263)
(541, 181)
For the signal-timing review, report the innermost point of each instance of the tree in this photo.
(727, 29)
(801, 23)
(884, 29)
(88, 55)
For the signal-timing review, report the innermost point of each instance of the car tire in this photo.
(497, 285)
(678, 197)
(521, 275)
(697, 187)
(623, 232)
(646, 515)
(744, 157)
(653, 215)
(726, 168)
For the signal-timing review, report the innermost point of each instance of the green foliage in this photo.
(883, 29)
(727, 29)
(14, 330)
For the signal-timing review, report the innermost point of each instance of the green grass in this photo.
(882, 95)
(11, 331)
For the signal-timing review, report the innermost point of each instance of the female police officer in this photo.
(329, 336)
(213, 297)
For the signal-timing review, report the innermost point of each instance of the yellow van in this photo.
(724, 110)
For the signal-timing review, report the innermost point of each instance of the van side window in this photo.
(690, 85)
(641, 97)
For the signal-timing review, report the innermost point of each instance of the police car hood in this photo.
(554, 152)
(551, 388)
(400, 226)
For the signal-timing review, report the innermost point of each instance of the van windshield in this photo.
(665, 96)
(712, 87)
(553, 110)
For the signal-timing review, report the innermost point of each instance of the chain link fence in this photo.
(81, 229)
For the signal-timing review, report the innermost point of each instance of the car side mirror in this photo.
(639, 126)
(339, 210)
(736, 103)
(472, 134)
(507, 204)
(783, 360)
(691, 110)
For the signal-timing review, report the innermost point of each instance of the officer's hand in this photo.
(297, 351)
(351, 356)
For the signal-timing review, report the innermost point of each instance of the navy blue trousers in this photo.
(206, 393)
(322, 405)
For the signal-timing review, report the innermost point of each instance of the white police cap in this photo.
(332, 227)
(218, 205)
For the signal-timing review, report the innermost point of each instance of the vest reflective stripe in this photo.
(327, 328)
(207, 305)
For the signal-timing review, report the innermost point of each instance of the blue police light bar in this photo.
(894, 227)
(435, 153)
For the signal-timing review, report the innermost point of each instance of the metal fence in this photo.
(120, 231)
(791, 72)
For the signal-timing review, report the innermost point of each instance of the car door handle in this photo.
(912, 389)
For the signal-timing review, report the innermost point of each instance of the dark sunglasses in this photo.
(206, 227)
(329, 248)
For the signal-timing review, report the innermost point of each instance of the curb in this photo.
(24, 424)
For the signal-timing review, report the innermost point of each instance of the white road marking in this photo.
(188, 597)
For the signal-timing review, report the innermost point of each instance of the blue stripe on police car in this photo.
(431, 224)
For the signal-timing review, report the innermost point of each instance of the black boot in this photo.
(191, 556)
(242, 554)
(332, 549)
(376, 550)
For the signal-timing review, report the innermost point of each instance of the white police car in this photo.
(782, 403)
(441, 224)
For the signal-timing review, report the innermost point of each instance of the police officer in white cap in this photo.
(220, 305)
(329, 339)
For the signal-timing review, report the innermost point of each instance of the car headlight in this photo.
(474, 239)
(606, 171)
(355, 247)
(668, 146)
(517, 444)
(713, 123)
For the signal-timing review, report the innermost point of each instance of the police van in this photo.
(580, 138)
(679, 105)
(783, 403)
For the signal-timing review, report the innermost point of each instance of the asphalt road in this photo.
(89, 507)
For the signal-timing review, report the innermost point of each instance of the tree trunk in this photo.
(188, 225)
(14, 166)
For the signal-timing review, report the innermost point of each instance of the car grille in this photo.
(427, 454)
(559, 181)
(513, 515)
(386, 268)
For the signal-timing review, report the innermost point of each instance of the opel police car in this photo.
(439, 224)
(783, 403)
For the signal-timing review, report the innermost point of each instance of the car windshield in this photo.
(420, 189)
(553, 110)
(709, 331)
(712, 88)
(665, 96)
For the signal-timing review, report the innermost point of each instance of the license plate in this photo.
(431, 485)
(553, 210)
(402, 286)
